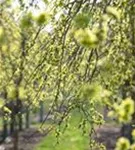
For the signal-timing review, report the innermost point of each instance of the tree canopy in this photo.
(74, 53)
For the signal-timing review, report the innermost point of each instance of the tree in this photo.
(73, 52)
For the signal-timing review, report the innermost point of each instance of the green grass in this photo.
(72, 139)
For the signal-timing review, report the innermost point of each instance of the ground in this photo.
(108, 135)
(29, 138)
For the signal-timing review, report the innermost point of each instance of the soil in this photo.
(106, 134)
(27, 140)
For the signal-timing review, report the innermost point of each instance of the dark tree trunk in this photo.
(20, 119)
(5, 128)
(41, 112)
(12, 123)
(15, 139)
(27, 118)
(126, 131)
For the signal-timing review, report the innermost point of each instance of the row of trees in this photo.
(76, 54)
(24, 121)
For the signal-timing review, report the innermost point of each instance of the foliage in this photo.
(124, 111)
(124, 143)
(72, 54)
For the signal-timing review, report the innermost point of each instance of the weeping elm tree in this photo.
(76, 54)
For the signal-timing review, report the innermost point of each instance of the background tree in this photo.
(73, 53)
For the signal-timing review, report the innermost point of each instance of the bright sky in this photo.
(40, 3)
(41, 8)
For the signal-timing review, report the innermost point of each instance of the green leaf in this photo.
(113, 12)
(86, 37)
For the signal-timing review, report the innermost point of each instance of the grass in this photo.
(72, 139)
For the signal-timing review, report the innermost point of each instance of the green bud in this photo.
(6, 109)
(81, 20)
(2, 36)
(113, 12)
(91, 92)
(86, 37)
(22, 93)
(26, 21)
(12, 92)
(128, 106)
(122, 144)
(1, 103)
(42, 18)
(133, 134)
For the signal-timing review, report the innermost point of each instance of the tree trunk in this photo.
(27, 118)
(15, 135)
(12, 123)
(20, 122)
(126, 131)
(41, 112)
(15, 139)
(5, 128)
